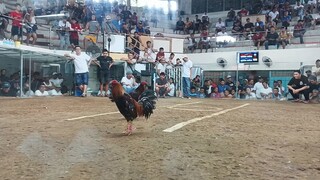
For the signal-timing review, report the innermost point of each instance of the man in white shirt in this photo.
(258, 87)
(128, 82)
(186, 76)
(41, 91)
(220, 25)
(266, 91)
(63, 32)
(316, 70)
(81, 65)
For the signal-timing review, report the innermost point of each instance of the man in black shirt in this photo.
(272, 38)
(162, 87)
(299, 84)
(104, 63)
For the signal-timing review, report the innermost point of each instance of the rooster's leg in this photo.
(129, 129)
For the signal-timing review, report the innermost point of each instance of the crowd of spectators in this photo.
(278, 15)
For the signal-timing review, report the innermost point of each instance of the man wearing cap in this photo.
(128, 82)
(258, 86)
(230, 83)
(162, 85)
(186, 76)
(299, 84)
(6, 90)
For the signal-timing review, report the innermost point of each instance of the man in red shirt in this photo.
(16, 29)
(74, 36)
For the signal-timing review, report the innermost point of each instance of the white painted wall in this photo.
(288, 59)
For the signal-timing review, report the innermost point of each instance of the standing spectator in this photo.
(31, 26)
(299, 31)
(81, 65)
(258, 87)
(161, 66)
(93, 27)
(135, 44)
(274, 14)
(186, 76)
(171, 87)
(104, 63)
(63, 32)
(299, 84)
(4, 21)
(16, 29)
(74, 35)
(271, 38)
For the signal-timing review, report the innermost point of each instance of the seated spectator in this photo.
(171, 88)
(276, 95)
(54, 86)
(215, 94)
(227, 94)
(230, 83)
(147, 30)
(192, 45)
(160, 55)
(274, 14)
(286, 19)
(272, 38)
(7, 90)
(204, 40)
(281, 88)
(162, 87)
(299, 84)
(208, 89)
(317, 19)
(205, 20)
(248, 28)
(259, 25)
(243, 12)
(316, 70)
(201, 93)
(299, 8)
(140, 29)
(193, 92)
(220, 40)
(284, 37)
(220, 25)
(41, 91)
(93, 28)
(222, 87)
(196, 82)
(188, 26)
(237, 29)
(197, 24)
(269, 24)
(26, 91)
(258, 39)
(249, 94)
(299, 31)
(313, 84)
(128, 82)
(179, 25)
(266, 91)
(308, 20)
(315, 97)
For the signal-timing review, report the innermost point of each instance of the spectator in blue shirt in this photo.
(222, 87)
(117, 23)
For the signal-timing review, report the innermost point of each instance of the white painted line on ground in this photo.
(95, 115)
(184, 104)
(180, 125)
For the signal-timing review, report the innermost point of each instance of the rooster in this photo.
(129, 107)
(139, 90)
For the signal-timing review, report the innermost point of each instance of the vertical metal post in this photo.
(29, 73)
(50, 37)
(237, 77)
(207, 5)
(21, 72)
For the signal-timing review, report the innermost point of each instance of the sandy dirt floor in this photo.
(81, 138)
